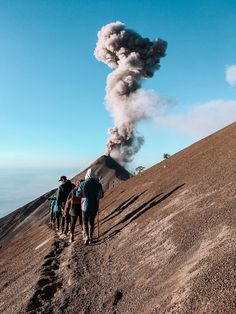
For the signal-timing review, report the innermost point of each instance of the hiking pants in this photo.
(88, 223)
(65, 221)
(76, 210)
(80, 218)
(57, 216)
(73, 220)
(52, 216)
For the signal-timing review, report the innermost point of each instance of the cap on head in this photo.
(63, 178)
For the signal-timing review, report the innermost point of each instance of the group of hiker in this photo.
(73, 201)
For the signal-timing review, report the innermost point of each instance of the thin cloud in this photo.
(203, 119)
(230, 74)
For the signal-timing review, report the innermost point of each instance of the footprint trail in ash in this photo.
(50, 280)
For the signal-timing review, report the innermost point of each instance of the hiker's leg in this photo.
(72, 224)
(85, 226)
(72, 227)
(67, 222)
(62, 223)
(80, 219)
(51, 216)
(91, 226)
(63, 218)
(58, 219)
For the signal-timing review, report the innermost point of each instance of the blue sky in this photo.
(52, 88)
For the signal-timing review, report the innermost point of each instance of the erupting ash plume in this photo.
(133, 58)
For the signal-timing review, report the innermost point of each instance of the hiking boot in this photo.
(86, 240)
(71, 238)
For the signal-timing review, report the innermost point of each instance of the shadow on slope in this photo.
(121, 207)
(136, 212)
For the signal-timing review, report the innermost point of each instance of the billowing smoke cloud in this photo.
(133, 58)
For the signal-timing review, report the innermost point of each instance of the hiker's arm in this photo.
(59, 197)
(67, 206)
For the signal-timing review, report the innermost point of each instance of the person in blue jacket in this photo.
(91, 191)
(55, 213)
(52, 215)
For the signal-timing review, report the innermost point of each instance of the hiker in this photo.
(73, 209)
(91, 190)
(62, 194)
(51, 211)
(57, 214)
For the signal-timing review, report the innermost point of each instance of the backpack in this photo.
(76, 197)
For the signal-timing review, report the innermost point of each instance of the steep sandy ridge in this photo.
(167, 244)
(167, 241)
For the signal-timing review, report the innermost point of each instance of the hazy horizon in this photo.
(21, 186)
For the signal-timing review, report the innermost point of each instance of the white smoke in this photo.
(231, 74)
(200, 120)
(133, 58)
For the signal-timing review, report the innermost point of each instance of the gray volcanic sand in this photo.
(166, 245)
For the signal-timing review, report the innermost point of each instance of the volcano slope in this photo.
(25, 240)
(166, 245)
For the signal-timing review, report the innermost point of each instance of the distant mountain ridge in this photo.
(109, 172)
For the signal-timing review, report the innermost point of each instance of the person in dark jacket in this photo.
(91, 192)
(62, 194)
